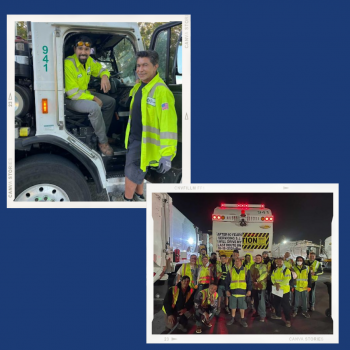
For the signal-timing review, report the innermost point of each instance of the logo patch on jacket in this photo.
(165, 106)
(151, 101)
(88, 71)
(80, 75)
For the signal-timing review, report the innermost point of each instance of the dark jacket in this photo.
(238, 290)
(181, 301)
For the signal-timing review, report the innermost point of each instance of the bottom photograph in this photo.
(242, 263)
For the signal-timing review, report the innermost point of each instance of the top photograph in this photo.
(98, 110)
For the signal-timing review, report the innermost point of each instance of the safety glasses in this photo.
(82, 43)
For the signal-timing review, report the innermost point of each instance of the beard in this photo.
(82, 60)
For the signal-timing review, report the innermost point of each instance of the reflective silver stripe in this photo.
(165, 146)
(71, 92)
(102, 70)
(129, 121)
(150, 129)
(150, 140)
(75, 65)
(75, 97)
(168, 135)
(151, 93)
(301, 279)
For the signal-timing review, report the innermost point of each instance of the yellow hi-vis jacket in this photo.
(200, 261)
(302, 281)
(159, 122)
(282, 276)
(315, 266)
(186, 271)
(261, 271)
(77, 77)
(208, 299)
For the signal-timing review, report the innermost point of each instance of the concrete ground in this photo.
(317, 324)
(103, 197)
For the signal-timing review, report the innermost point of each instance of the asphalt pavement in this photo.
(318, 323)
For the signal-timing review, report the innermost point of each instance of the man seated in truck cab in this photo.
(100, 107)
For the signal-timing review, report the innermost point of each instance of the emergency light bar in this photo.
(244, 206)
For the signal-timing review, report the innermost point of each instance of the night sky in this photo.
(297, 216)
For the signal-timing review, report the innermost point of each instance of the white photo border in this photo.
(186, 100)
(242, 338)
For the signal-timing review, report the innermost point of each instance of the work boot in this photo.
(288, 324)
(139, 198)
(294, 313)
(243, 322)
(106, 149)
(312, 308)
(275, 317)
(182, 328)
(227, 310)
(208, 324)
(305, 314)
(120, 198)
(199, 330)
(231, 322)
(262, 319)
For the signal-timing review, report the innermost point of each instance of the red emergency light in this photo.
(267, 218)
(218, 217)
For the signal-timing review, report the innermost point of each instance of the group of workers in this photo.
(151, 133)
(204, 285)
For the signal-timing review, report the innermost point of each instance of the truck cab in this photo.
(56, 149)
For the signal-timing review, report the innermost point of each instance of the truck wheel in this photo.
(49, 178)
(23, 100)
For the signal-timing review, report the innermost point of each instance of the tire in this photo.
(48, 177)
(23, 100)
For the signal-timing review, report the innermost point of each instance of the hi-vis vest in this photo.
(159, 122)
(302, 278)
(204, 275)
(219, 270)
(282, 276)
(77, 77)
(176, 291)
(238, 279)
(208, 298)
(186, 271)
(200, 262)
(314, 267)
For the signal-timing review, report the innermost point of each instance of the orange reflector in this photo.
(44, 105)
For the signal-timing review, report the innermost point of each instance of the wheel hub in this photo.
(43, 193)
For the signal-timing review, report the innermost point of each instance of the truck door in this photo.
(167, 41)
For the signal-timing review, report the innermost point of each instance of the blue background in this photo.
(270, 103)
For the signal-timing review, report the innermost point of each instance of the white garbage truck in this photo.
(295, 248)
(56, 149)
(245, 227)
(175, 237)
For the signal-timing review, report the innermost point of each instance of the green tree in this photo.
(147, 30)
(22, 29)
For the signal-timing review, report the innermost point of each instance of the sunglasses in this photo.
(82, 43)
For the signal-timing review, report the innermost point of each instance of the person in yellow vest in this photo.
(280, 279)
(205, 304)
(177, 302)
(204, 275)
(315, 270)
(268, 262)
(238, 286)
(78, 70)
(302, 286)
(234, 256)
(151, 134)
(189, 269)
(222, 270)
(201, 256)
(288, 261)
(248, 261)
(258, 273)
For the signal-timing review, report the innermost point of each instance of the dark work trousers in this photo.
(284, 302)
(268, 292)
(312, 294)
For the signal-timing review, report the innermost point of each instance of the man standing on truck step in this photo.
(316, 270)
(280, 279)
(258, 273)
(205, 275)
(177, 302)
(302, 286)
(238, 286)
(205, 304)
(189, 269)
(78, 70)
(222, 270)
(151, 134)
